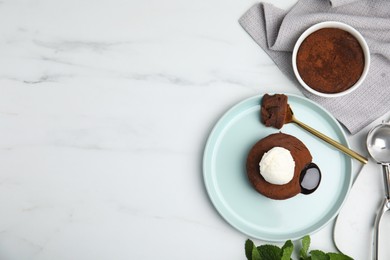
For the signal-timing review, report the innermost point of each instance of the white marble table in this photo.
(105, 107)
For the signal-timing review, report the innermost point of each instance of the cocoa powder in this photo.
(330, 60)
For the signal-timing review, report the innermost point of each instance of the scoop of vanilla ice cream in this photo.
(277, 166)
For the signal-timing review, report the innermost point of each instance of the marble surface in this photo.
(105, 108)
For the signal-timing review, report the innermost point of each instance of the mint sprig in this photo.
(272, 252)
(268, 252)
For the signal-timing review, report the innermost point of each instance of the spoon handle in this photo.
(386, 179)
(330, 141)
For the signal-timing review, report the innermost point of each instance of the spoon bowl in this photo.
(378, 143)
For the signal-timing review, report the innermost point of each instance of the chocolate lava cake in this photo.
(300, 154)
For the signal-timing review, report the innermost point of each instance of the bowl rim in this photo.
(339, 25)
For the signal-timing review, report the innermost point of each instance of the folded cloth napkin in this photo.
(277, 30)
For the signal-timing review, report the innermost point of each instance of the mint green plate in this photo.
(247, 210)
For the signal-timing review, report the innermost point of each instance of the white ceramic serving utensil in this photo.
(354, 224)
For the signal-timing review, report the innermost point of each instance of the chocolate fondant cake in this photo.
(300, 154)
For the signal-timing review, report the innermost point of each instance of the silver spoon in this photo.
(378, 145)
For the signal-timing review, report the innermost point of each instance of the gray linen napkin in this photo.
(276, 31)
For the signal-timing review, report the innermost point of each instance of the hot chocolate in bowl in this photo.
(331, 59)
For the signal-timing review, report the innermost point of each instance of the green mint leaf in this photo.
(269, 252)
(256, 254)
(287, 250)
(305, 248)
(249, 245)
(318, 255)
(336, 256)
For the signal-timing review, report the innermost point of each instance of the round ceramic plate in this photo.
(247, 210)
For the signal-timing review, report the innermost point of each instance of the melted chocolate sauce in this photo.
(310, 178)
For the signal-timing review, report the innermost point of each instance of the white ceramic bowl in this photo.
(339, 25)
